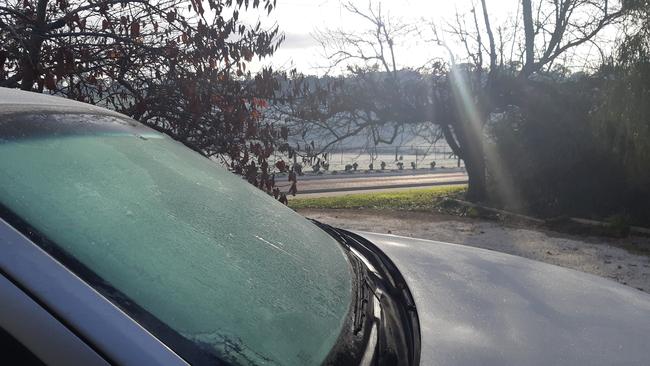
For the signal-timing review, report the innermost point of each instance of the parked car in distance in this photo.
(121, 246)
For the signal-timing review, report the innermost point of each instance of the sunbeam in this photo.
(467, 100)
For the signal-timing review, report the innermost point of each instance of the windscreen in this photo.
(208, 256)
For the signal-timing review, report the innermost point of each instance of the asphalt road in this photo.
(339, 184)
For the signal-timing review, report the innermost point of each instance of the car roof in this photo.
(20, 101)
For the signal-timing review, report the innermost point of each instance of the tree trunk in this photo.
(30, 63)
(32, 55)
(472, 145)
(468, 146)
(529, 33)
(477, 187)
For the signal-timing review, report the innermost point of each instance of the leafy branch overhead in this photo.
(179, 66)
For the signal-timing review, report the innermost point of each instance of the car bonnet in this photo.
(482, 307)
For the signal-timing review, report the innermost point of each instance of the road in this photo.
(314, 186)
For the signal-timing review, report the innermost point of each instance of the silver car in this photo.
(121, 246)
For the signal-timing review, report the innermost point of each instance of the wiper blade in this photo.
(384, 317)
(362, 297)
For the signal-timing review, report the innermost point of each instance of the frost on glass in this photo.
(214, 258)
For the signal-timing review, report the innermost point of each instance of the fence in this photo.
(418, 156)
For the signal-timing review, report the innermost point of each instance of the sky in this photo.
(299, 19)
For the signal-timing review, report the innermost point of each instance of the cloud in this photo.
(298, 41)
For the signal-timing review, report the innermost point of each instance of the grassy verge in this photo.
(424, 199)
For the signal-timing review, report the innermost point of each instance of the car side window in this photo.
(12, 352)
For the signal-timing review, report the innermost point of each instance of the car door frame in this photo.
(30, 276)
(42, 334)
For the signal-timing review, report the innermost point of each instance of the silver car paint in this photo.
(85, 311)
(478, 307)
(40, 332)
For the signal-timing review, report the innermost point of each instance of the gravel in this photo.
(605, 257)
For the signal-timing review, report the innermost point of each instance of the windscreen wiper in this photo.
(383, 328)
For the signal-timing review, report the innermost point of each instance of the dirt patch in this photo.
(606, 257)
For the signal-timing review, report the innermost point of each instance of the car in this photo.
(122, 246)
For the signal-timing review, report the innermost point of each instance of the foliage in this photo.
(621, 115)
(622, 121)
(178, 66)
(559, 152)
(553, 163)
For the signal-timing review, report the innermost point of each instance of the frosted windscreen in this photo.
(213, 258)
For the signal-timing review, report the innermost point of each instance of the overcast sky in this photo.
(298, 19)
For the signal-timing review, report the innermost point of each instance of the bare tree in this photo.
(562, 25)
(373, 47)
(379, 98)
(370, 59)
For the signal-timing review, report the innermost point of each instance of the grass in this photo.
(424, 199)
